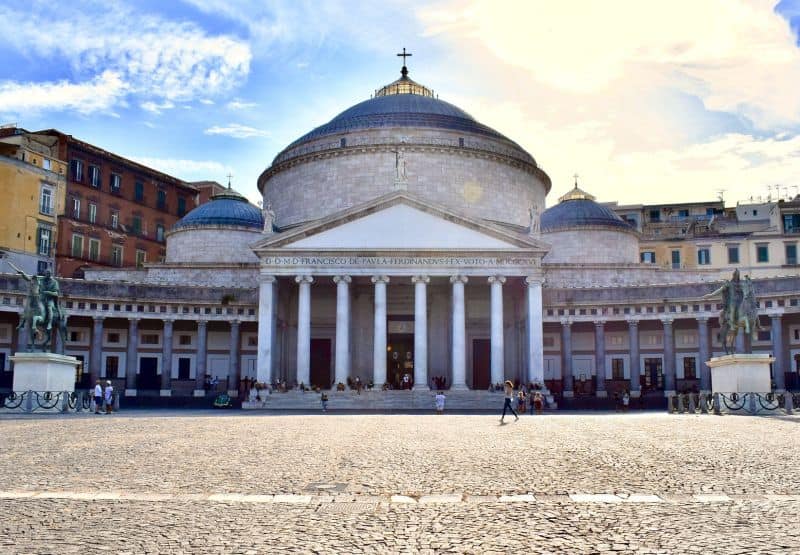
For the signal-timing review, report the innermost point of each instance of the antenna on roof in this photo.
(721, 195)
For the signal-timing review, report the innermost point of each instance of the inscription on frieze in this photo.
(397, 261)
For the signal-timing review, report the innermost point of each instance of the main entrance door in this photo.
(321, 363)
(148, 374)
(481, 363)
(653, 374)
(400, 361)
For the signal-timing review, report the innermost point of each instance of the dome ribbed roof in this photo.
(225, 209)
(578, 209)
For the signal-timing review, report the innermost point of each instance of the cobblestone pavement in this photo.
(178, 483)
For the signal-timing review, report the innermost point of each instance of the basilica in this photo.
(405, 244)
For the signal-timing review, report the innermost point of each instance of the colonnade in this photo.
(342, 361)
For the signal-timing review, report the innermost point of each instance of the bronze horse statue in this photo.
(35, 316)
(740, 310)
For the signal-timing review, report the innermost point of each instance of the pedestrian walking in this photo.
(509, 396)
(324, 400)
(440, 403)
(98, 397)
(109, 397)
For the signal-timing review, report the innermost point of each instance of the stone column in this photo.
(304, 329)
(96, 354)
(421, 331)
(535, 331)
(634, 363)
(201, 359)
(497, 345)
(566, 359)
(234, 365)
(459, 334)
(600, 357)
(379, 332)
(166, 359)
(266, 328)
(704, 352)
(131, 358)
(778, 367)
(342, 364)
(669, 358)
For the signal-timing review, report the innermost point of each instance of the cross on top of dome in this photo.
(404, 85)
(576, 193)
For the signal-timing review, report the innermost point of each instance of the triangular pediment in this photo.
(399, 222)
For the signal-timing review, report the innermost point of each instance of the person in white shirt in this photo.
(98, 397)
(109, 396)
(440, 403)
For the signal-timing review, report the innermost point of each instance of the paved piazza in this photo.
(170, 482)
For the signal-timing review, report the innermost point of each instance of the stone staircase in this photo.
(380, 401)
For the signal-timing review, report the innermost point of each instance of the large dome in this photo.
(225, 209)
(579, 209)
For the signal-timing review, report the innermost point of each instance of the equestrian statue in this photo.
(42, 314)
(739, 310)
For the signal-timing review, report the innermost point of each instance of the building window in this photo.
(112, 367)
(648, 257)
(46, 164)
(655, 216)
(703, 256)
(159, 232)
(94, 249)
(113, 337)
(115, 182)
(676, 259)
(114, 220)
(45, 236)
(141, 257)
(161, 201)
(149, 339)
(77, 246)
(617, 369)
(755, 212)
(181, 206)
(116, 255)
(689, 368)
(92, 212)
(683, 214)
(76, 337)
(184, 368)
(762, 253)
(76, 208)
(94, 176)
(184, 340)
(764, 335)
(791, 254)
(138, 191)
(136, 225)
(77, 170)
(46, 200)
(733, 254)
(791, 223)
(42, 266)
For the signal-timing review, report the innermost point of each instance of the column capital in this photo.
(98, 319)
(380, 279)
(667, 321)
(534, 280)
(235, 323)
(599, 323)
(775, 315)
(566, 322)
(304, 279)
(420, 279)
(458, 279)
(497, 279)
(342, 279)
(202, 323)
(134, 319)
(632, 322)
(266, 279)
(702, 320)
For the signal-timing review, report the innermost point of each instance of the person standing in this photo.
(440, 403)
(538, 403)
(509, 396)
(109, 397)
(626, 401)
(98, 397)
(324, 400)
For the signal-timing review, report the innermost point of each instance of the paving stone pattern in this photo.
(199, 483)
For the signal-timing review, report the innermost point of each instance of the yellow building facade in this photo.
(32, 189)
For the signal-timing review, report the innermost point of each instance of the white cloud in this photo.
(98, 94)
(240, 105)
(186, 169)
(162, 61)
(206, 101)
(155, 107)
(236, 130)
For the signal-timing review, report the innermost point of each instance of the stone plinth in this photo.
(44, 372)
(741, 373)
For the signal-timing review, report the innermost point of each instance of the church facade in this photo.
(405, 244)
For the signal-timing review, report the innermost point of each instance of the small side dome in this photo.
(228, 209)
(582, 231)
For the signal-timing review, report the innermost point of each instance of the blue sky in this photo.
(647, 102)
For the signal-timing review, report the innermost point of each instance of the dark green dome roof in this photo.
(225, 209)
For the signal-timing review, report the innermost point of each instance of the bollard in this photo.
(64, 401)
(116, 402)
(717, 408)
(703, 403)
(670, 405)
(78, 402)
(752, 405)
(29, 402)
(788, 402)
(692, 406)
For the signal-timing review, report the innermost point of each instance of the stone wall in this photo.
(188, 276)
(214, 244)
(588, 245)
(478, 183)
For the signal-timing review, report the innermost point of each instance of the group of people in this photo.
(103, 397)
(522, 398)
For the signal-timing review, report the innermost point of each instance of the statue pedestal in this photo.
(44, 372)
(741, 373)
